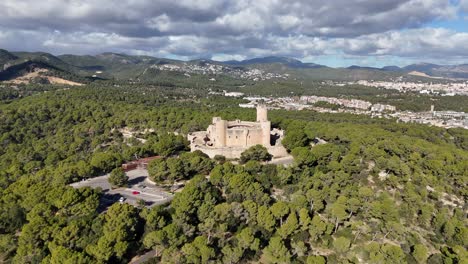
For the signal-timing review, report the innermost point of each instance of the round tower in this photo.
(266, 128)
(220, 131)
(262, 115)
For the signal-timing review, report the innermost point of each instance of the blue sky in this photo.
(336, 33)
(458, 23)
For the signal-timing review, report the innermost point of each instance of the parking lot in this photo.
(139, 187)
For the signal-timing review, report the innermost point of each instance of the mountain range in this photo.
(86, 68)
(290, 62)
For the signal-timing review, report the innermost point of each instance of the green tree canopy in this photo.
(118, 178)
(257, 152)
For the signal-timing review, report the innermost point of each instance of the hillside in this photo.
(445, 71)
(35, 73)
(39, 67)
(375, 192)
(113, 65)
(289, 62)
(5, 57)
(46, 59)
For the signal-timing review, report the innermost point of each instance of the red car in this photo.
(135, 192)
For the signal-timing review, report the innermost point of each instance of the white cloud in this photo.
(288, 21)
(227, 57)
(244, 21)
(234, 29)
(298, 17)
(464, 5)
(423, 43)
(161, 23)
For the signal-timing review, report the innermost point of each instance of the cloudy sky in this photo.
(331, 32)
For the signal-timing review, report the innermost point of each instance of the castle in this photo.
(231, 138)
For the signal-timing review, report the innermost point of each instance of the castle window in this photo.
(236, 137)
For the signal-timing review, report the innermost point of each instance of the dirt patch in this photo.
(57, 80)
(449, 199)
(38, 73)
(130, 133)
(422, 74)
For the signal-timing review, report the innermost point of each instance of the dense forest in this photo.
(375, 192)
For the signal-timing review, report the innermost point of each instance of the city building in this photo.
(382, 108)
(233, 94)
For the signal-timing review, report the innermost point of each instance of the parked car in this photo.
(122, 199)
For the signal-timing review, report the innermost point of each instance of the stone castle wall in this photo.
(231, 138)
(235, 152)
(243, 138)
(239, 133)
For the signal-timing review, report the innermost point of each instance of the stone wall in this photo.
(278, 151)
(235, 152)
(238, 133)
(243, 137)
(231, 138)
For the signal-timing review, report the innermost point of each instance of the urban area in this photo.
(446, 119)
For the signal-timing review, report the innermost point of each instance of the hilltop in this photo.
(38, 67)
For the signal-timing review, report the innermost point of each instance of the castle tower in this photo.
(262, 115)
(266, 128)
(262, 118)
(220, 132)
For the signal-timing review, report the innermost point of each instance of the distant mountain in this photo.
(445, 71)
(151, 69)
(45, 58)
(21, 69)
(27, 67)
(421, 67)
(290, 62)
(114, 65)
(355, 67)
(391, 68)
(6, 56)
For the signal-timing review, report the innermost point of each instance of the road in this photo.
(150, 193)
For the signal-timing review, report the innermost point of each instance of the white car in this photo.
(122, 199)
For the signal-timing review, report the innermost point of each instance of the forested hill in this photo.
(36, 67)
(376, 192)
